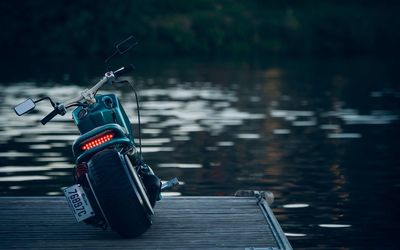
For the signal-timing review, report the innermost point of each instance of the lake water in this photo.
(322, 135)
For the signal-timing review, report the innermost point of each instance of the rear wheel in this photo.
(120, 196)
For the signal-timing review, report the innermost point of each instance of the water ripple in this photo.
(24, 178)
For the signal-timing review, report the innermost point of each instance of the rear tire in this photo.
(117, 194)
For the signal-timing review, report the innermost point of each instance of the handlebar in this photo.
(124, 70)
(50, 116)
(88, 94)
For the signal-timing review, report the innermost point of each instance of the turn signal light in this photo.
(96, 141)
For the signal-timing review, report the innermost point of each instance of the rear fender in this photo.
(120, 137)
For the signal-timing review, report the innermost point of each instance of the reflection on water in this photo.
(24, 178)
(295, 205)
(334, 225)
(295, 235)
(178, 165)
(307, 132)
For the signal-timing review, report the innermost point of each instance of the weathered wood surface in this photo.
(179, 223)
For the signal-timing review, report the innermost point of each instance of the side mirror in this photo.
(126, 45)
(122, 48)
(24, 107)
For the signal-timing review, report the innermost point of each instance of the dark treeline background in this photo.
(223, 28)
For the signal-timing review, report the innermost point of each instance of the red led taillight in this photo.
(96, 141)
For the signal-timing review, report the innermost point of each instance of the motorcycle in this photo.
(113, 186)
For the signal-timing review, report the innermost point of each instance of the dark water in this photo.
(322, 135)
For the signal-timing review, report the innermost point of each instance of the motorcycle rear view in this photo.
(113, 186)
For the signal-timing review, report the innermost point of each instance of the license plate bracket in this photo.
(78, 202)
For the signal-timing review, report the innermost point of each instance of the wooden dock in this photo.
(245, 223)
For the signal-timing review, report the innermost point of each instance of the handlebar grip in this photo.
(50, 116)
(123, 70)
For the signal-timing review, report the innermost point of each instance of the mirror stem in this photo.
(44, 98)
(108, 59)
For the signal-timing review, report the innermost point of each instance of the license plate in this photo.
(78, 202)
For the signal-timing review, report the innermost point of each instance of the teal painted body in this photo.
(106, 115)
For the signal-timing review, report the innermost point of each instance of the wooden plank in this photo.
(179, 223)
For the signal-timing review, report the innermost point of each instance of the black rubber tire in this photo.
(120, 202)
